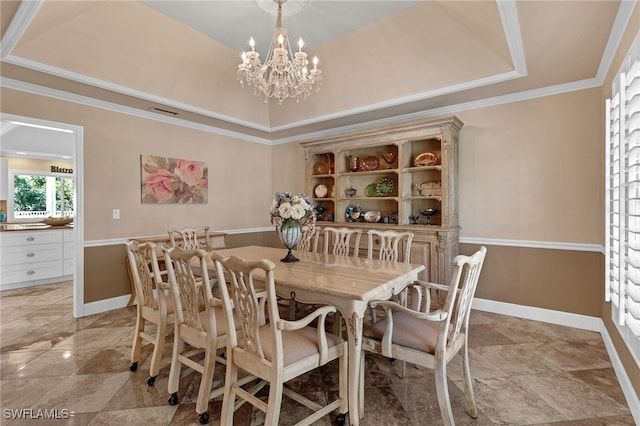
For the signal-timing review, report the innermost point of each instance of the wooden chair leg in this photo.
(158, 349)
(136, 347)
(442, 391)
(467, 382)
(229, 399)
(275, 401)
(176, 365)
(206, 381)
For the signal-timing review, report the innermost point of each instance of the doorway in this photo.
(76, 133)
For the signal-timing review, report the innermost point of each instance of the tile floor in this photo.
(526, 373)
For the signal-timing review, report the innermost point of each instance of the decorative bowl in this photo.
(372, 216)
(369, 163)
(370, 190)
(57, 221)
(353, 213)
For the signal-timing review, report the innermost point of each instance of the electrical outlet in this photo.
(116, 213)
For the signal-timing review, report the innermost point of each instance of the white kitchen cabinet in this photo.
(34, 257)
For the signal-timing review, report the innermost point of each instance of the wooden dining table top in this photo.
(342, 276)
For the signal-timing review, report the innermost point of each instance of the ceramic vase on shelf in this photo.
(290, 233)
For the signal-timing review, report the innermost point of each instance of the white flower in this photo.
(298, 211)
(285, 210)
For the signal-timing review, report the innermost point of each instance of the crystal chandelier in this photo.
(279, 77)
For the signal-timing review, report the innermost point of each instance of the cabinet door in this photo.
(424, 250)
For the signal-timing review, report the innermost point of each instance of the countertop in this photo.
(7, 227)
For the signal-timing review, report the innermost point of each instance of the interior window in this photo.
(38, 195)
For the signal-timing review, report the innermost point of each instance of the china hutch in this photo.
(400, 177)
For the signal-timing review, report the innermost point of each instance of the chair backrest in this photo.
(389, 243)
(309, 239)
(340, 239)
(244, 303)
(188, 288)
(464, 281)
(145, 270)
(190, 238)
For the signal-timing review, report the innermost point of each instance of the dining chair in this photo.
(273, 349)
(309, 239)
(191, 238)
(199, 325)
(337, 241)
(153, 305)
(390, 244)
(431, 338)
(308, 242)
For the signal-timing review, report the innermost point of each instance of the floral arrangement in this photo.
(287, 208)
(170, 180)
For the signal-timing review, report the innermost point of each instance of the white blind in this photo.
(623, 199)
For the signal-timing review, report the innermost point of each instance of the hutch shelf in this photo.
(403, 175)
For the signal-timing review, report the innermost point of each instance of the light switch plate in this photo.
(116, 213)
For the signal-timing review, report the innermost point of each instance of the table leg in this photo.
(354, 332)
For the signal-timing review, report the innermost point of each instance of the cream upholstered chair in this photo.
(309, 239)
(275, 350)
(199, 325)
(190, 238)
(338, 241)
(431, 338)
(153, 304)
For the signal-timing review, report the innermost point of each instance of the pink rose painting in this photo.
(170, 180)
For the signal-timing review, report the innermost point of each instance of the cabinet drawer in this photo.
(32, 272)
(19, 238)
(68, 250)
(19, 255)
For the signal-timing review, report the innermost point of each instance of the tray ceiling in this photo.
(381, 60)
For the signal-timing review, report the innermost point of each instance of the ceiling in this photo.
(382, 61)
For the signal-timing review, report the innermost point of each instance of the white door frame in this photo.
(78, 220)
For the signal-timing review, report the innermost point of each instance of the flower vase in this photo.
(290, 233)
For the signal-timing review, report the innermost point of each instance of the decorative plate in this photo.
(353, 213)
(372, 216)
(426, 159)
(369, 163)
(320, 169)
(371, 190)
(321, 191)
(384, 187)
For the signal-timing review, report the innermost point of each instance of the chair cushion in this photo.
(297, 344)
(220, 321)
(169, 301)
(408, 331)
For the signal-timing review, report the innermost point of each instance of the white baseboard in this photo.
(105, 305)
(570, 320)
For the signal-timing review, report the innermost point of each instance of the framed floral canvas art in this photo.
(171, 180)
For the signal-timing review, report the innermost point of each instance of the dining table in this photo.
(348, 283)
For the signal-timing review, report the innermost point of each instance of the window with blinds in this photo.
(623, 200)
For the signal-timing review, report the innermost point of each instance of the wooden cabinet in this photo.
(420, 174)
(33, 257)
